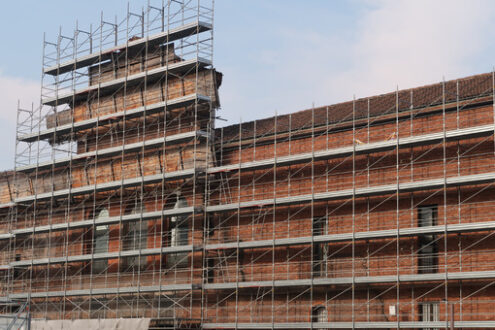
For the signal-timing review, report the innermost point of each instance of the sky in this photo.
(277, 56)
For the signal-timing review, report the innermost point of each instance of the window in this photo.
(17, 271)
(427, 247)
(136, 238)
(319, 226)
(100, 242)
(429, 312)
(427, 215)
(178, 235)
(210, 270)
(319, 249)
(428, 260)
(319, 315)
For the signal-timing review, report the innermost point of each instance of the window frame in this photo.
(101, 241)
(319, 314)
(427, 252)
(429, 311)
(177, 234)
(319, 227)
(137, 241)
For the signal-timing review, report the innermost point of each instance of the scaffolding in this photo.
(129, 203)
(318, 217)
(110, 170)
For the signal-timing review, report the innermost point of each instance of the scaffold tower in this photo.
(110, 169)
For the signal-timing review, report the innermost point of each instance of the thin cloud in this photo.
(412, 43)
(391, 42)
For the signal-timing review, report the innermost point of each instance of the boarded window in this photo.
(178, 235)
(100, 243)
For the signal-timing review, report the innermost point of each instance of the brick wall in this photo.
(262, 140)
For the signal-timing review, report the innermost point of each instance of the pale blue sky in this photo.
(277, 55)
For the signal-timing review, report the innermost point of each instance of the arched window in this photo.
(178, 231)
(136, 238)
(319, 315)
(100, 242)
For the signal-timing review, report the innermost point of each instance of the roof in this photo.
(419, 97)
(7, 174)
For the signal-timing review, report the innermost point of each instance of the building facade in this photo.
(127, 201)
